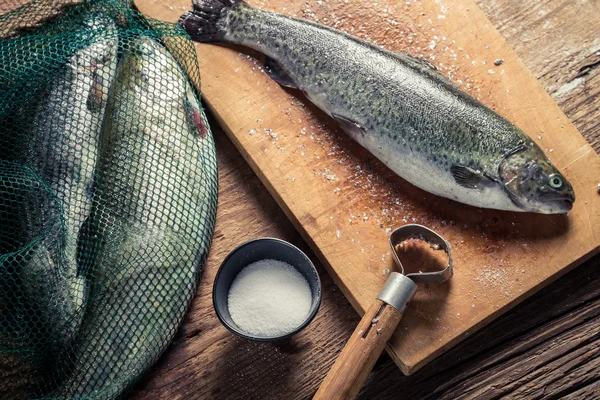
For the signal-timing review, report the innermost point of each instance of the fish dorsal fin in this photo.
(470, 178)
(421, 62)
(277, 73)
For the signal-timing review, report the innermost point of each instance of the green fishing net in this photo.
(108, 191)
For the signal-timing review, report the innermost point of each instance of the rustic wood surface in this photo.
(548, 347)
(344, 202)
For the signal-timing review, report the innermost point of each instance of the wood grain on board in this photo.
(344, 202)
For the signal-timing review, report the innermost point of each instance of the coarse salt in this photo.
(269, 298)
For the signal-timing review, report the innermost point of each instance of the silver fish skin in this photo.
(52, 171)
(153, 215)
(63, 151)
(398, 107)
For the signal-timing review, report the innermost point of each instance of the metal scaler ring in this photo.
(414, 231)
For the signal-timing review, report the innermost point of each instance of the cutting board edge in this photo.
(409, 369)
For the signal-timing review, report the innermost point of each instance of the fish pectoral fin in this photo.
(352, 128)
(516, 201)
(470, 178)
(276, 72)
(96, 96)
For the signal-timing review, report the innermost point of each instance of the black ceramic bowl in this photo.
(256, 250)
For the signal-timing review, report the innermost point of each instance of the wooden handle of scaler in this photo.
(361, 352)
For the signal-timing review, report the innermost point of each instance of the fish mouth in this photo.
(564, 206)
(560, 204)
(560, 200)
(548, 203)
(558, 196)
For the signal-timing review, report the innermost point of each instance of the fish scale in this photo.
(398, 107)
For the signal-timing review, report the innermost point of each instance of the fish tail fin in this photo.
(205, 22)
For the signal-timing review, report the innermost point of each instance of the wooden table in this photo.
(548, 347)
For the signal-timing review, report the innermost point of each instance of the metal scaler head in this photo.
(420, 232)
(399, 289)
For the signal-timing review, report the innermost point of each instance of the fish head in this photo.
(534, 184)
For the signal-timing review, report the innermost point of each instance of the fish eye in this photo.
(556, 181)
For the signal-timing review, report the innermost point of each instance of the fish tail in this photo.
(206, 21)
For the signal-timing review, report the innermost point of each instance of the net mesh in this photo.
(108, 190)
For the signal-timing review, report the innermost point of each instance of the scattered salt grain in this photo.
(270, 133)
(269, 298)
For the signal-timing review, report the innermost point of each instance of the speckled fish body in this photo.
(153, 217)
(63, 151)
(50, 171)
(398, 107)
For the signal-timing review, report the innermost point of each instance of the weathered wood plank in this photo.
(517, 339)
(562, 313)
(559, 41)
(246, 210)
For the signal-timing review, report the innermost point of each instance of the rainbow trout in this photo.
(63, 150)
(153, 217)
(50, 176)
(398, 107)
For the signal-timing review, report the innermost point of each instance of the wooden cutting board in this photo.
(345, 202)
